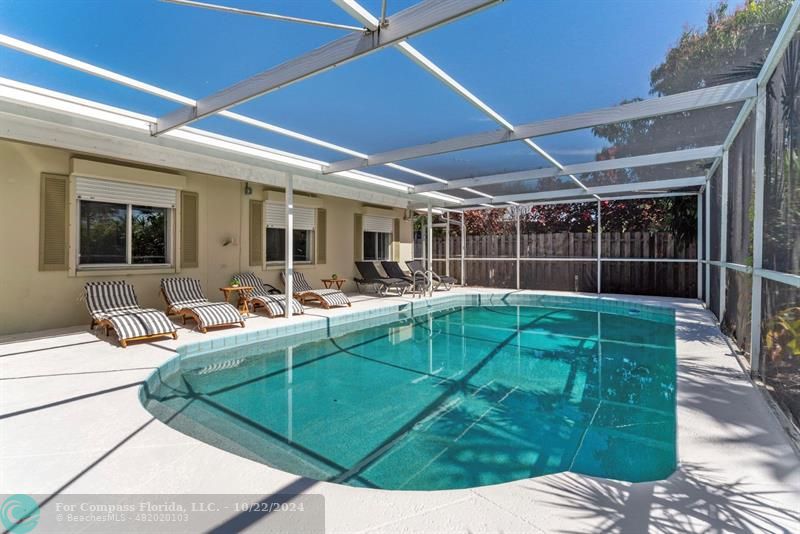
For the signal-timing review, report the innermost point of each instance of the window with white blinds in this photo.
(123, 224)
(383, 225)
(377, 237)
(303, 237)
(275, 216)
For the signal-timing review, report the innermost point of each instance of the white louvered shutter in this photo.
(125, 193)
(378, 224)
(276, 216)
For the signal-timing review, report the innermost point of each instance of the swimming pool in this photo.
(462, 396)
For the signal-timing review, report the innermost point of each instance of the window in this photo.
(123, 224)
(123, 234)
(377, 238)
(103, 233)
(376, 245)
(276, 245)
(302, 237)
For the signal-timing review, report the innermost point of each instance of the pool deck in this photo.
(71, 422)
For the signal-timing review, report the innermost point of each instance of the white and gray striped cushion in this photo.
(250, 279)
(116, 302)
(216, 313)
(108, 297)
(275, 304)
(143, 322)
(332, 297)
(300, 283)
(183, 292)
(187, 294)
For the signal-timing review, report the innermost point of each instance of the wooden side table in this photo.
(244, 310)
(331, 281)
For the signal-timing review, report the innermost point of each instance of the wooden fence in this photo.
(491, 261)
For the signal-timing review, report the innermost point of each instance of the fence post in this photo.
(463, 250)
(430, 236)
(518, 247)
(447, 245)
(599, 246)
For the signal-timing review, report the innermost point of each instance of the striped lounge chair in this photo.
(305, 293)
(185, 297)
(267, 296)
(113, 306)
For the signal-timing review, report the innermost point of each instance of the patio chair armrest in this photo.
(272, 290)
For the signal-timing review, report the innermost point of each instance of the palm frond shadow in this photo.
(740, 425)
(528, 446)
(693, 499)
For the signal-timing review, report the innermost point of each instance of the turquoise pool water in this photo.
(461, 397)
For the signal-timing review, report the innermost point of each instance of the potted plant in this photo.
(234, 282)
(334, 276)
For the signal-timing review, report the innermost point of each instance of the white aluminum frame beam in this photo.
(363, 16)
(599, 247)
(413, 21)
(707, 241)
(88, 68)
(758, 230)
(262, 14)
(681, 102)
(567, 194)
(359, 13)
(288, 273)
(723, 234)
(587, 199)
(782, 41)
(661, 158)
(700, 250)
(57, 112)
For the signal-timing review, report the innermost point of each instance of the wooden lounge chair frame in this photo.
(107, 324)
(107, 327)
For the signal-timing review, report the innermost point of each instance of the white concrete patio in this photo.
(71, 422)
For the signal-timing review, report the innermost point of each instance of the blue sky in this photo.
(528, 59)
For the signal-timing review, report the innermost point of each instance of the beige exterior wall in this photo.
(32, 300)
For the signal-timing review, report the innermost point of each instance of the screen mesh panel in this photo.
(501, 274)
(780, 364)
(782, 166)
(663, 133)
(559, 230)
(491, 234)
(740, 196)
(558, 275)
(713, 290)
(738, 298)
(650, 278)
(715, 215)
(650, 228)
